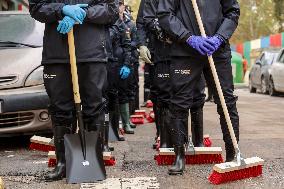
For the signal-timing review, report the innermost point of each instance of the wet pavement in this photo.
(262, 134)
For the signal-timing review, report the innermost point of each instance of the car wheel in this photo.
(251, 88)
(271, 88)
(263, 86)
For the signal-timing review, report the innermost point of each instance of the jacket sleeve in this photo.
(141, 30)
(126, 43)
(169, 21)
(105, 12)
(45, 11)
(149, 14)
(231, 13)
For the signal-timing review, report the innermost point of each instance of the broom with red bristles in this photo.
(242, 168)
(193, 155)
(41, 144)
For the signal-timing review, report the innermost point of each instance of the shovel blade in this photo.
(113, 135)
(79, 170)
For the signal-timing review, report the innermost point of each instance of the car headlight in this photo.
(35, 78)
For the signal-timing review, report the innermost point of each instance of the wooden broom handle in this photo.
(73, 64)
(216, 79)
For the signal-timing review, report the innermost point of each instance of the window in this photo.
(20, 28)
(281, 59)
(269, 58)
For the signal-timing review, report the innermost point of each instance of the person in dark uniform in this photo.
(189, 59)
(134, 77)
(59, 18)
(126, 68)
(146, 51)
(161, 81)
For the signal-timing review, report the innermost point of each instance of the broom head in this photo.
(231, 171)
(109, 159)
(137, 119)
(41, 144)
(201, 155)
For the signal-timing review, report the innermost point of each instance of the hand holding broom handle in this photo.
(218, 86)
(75, 83)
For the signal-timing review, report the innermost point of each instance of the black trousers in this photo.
(148, 81)
(92, 82)
(161, 87)
(120, 88)
(199, 94)
(185, 75)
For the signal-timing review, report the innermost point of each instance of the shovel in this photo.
(83, 151)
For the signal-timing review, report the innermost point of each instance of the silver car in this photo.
(23, 99)
(276, 79)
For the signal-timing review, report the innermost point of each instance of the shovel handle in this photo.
(216, 78)
(73, 64)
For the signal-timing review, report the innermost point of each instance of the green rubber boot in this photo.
(124, 113)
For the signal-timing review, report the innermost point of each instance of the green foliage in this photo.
(279, 13)
(258, 19)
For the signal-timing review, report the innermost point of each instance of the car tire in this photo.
(251, 88)
(263, 86)
(271, 88)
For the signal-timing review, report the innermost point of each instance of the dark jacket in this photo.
(220, 17)
(160, 46)
(90, 37)
(141, 29)
(145, 37)
(134, 40)
(120, 43)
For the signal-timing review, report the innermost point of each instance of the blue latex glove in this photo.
(65, 25)
(75, 11)
(201, 44)
(216, 41)
(124, 72)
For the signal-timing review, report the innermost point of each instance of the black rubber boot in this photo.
(59, 172)
(157, 113)
(146, 97)
(164, 125)
(179, 164)
(106, 130)
(197, 127)
(124, 113)
(230, 152)
(131, 112)
(114, 120)
(131, 107)
(178, 137)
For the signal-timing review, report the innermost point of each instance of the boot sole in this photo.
(54, 179)
(175, 173)
(130, 133)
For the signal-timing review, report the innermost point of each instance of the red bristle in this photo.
(41, 147)
(218, 178)
(204, 159)
(190, 159)
(207, 142)
(149, 104)
(150, 119)
(110, 162)
(51, 162)
(137, 121)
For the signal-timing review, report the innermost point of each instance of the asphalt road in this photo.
(262, 134)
